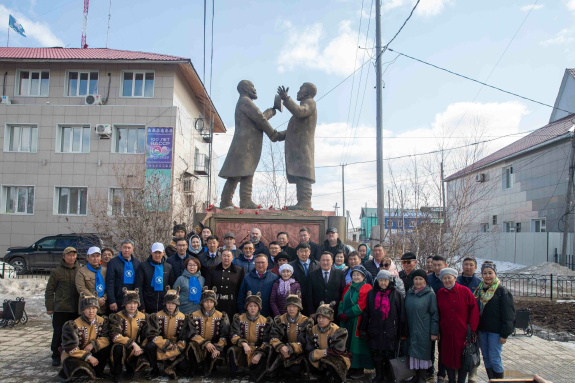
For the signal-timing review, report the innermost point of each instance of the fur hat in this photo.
(294, 299)
(131, 296)
(172, 296)
(88, 301)
(326, 310)
(178, 227)
(209, 295)
(257, 299)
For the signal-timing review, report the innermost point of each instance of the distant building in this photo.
(394, 220)
(71, 115)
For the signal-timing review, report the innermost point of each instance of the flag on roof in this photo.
(14, 24)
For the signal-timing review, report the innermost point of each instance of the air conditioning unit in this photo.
(480, 177)
(6, 100)
(93, 99)
(103, 130)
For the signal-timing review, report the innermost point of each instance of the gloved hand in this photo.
(342, 317)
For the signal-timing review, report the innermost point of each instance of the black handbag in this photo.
(400, 366)
(470, 357)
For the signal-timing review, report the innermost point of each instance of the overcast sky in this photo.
(520, 46)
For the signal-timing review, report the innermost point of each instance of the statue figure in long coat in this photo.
(246, 148)
(299, 141)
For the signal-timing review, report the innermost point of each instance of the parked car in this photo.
(46, 253)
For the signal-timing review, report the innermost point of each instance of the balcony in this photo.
(201, 164)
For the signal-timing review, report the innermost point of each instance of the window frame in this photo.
(115, 135)
(484, 227)
(508, 225)
(540, 220)
(508, 176)
(67, 82)
(134, 72)
(4, 195)
(60, 137)
(9, 131)
(123, 207)
(56, 203)
(17, 89)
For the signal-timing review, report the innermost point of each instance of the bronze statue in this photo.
(299, 141)
(246, 148)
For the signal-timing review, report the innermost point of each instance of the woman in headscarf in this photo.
(195, 246)
(350, 310)
(496, 314)
(281, 288)
(423, 324)
(191, 284)
(364, 253)
(389, 265)
(383, 323)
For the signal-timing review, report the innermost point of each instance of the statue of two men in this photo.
(246, 148)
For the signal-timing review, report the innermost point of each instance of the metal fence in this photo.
(569, 258)
(7, 271)
(539, 286)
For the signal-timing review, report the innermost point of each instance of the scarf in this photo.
(191, 249)
(484, 296)
(417, 290)
(339, 267)
(284, 288)
(382, 303)
(129, 274)
(100, 288)
(194, 289)
(158, 279)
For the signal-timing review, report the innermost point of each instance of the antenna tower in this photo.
(85, 24)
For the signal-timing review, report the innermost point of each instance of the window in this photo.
(494, 220)
(74, 139)
(518, 227)
(187, 184)
(507, 177)
(21, 138)
(509, 227)
(130, 139)
(32, 83)
(71, 201)
(138, 84)
(82, 83)
(18, 199)
(123, 201)
(189, 199)
(484, 227)
(538, 225)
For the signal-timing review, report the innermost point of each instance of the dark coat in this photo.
(340, 246)
(470, 282)
(384, 334)
(299, 275)
(372, 267)
(423, 321)
(317, 291)
(228, 283)
(150, 300)
(498, 314)
(115, 279)
(315, 251)
(407, 279)
(252, 282)
(434, 282)
(248, 265)
(207, 261)
(61, 294)
(290, 252)
(178, 264)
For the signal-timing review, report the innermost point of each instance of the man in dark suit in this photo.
(326, 284)
(302, 267)
(315, 249)
(283, 241)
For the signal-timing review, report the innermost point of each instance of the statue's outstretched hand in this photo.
(283, 92)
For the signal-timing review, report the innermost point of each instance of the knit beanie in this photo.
(179, 227)
(418, 273)
(449, 271)
(383, 274)
(489, 265)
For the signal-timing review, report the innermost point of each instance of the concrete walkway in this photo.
(25, 357)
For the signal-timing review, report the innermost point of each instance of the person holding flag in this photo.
(92, 278)
(152, 277)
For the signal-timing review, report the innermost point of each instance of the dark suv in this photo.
(47, 252)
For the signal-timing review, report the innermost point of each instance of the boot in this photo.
(246, 193)
(378, 362)
(490, 373)
(303, 193)
(498, 375)
(228, 193)
(420, 376)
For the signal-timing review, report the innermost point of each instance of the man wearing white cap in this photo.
(153, 275)
(92, 278)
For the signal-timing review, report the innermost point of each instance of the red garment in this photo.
(457, 308)
(361, 303)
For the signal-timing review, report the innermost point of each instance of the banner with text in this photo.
(159, 148)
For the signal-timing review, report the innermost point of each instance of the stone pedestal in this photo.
(271, 222)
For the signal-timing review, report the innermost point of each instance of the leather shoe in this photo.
(55, 362)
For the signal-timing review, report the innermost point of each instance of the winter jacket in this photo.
(384, 334)
(434, 282)
(339, 246)
(372, 268)
(247, 264)
(470, 282)
(115, 279)
(152, 301)
(498, 314)
(86, 283)
(315, 251)
(61, 295)
(299, 275)
(228, 282)
(278, 301)
(422, 320)
(208, 261)
(407, 279)
(352, 305)
(457, 308)
(252, 282)
(178, 264)
(290, 252)
(183, 282)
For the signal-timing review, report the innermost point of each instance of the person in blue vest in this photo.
(154, 275)
(259, 280)
(120, 273)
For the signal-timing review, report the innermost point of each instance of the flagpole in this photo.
(8, 42)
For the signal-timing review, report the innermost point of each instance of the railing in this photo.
(8, 272)
(539, 286)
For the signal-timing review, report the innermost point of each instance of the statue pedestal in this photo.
(271, 222)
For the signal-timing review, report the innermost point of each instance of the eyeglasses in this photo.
(386, 265)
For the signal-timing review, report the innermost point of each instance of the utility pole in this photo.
(379, 122)
(568, 202)
(336, 208)
(402, 226)
(343, 192)
(442, 214)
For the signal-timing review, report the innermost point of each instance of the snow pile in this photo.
(546, 268)
(502, 267)
(32, 289)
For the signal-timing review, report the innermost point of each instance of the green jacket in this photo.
(422, 321)
(61, 294)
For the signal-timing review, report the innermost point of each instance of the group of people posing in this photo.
(326, 310)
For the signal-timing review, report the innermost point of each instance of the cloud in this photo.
(571, 5)
(527, 8)
(309, 48)
(36, 30)
(565, 36)
(426, 8)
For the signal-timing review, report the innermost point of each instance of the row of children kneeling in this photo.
(196, 343)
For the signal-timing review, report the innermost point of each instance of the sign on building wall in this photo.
(159, 149)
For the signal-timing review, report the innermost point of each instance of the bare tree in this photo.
(271, 184)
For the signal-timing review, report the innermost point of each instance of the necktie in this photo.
(326, 277)
(305, 268)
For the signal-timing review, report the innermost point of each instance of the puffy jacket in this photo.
(61, 295)
(152, 301)
(252, 282)
(178, 264)
(423, 321)
(498, 314)
(115, 279)
(248, 265)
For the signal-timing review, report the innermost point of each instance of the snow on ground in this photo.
(32, 289)
(547, 268)
(502, 267)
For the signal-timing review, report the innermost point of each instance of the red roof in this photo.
(82, 54)
(547, 133)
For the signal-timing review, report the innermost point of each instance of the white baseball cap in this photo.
(93, 250)
(157, 247)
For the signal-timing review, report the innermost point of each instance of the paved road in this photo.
(25, 357)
